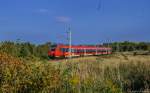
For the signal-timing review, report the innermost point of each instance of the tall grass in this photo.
(105, 74)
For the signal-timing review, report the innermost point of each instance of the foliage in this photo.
(130, 46)
(74, 76)
(21, 72)
(25, 49)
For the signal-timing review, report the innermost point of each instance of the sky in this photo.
(91, 21)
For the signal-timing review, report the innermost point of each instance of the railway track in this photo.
(73, 58)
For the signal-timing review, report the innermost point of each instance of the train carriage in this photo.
(57, 51)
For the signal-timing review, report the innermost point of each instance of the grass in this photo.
(118, 73)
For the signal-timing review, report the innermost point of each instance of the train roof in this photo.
(82, 46)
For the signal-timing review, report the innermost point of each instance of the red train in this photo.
(58, 51)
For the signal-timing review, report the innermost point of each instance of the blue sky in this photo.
(92, 21)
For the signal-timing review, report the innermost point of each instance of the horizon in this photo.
(91, 22)
(54, 43)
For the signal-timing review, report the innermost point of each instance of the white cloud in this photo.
(42, 10)
(63, 19)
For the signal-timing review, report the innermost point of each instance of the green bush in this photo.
(90, 76)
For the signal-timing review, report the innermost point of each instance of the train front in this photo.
(52, 51)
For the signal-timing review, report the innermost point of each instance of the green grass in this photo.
(103, 74)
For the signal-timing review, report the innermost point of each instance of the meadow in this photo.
(116, 73)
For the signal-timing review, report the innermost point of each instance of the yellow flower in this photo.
(75, 80)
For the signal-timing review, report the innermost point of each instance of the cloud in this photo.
(63, 19)
(42, 10)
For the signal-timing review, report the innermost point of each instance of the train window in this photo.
(88, 50)
(62, 49)
(82, 50)
(98, 50)
(78, 51)
(53, 46)
(73, 50)
(94, 50)
(67, 49)
(53, 49)
(101, 50)
(104, 50)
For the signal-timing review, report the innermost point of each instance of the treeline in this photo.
(30, 51)
(129, 46)
(25, 49)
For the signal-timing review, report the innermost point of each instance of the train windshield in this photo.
(53, 47)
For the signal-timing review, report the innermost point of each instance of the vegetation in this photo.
(130, 46)
(24, 68)
(105, 74)
(29, 51)
(25, 50)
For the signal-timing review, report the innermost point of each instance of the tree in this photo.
(24, 52)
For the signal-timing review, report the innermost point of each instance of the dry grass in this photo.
(103, 74)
